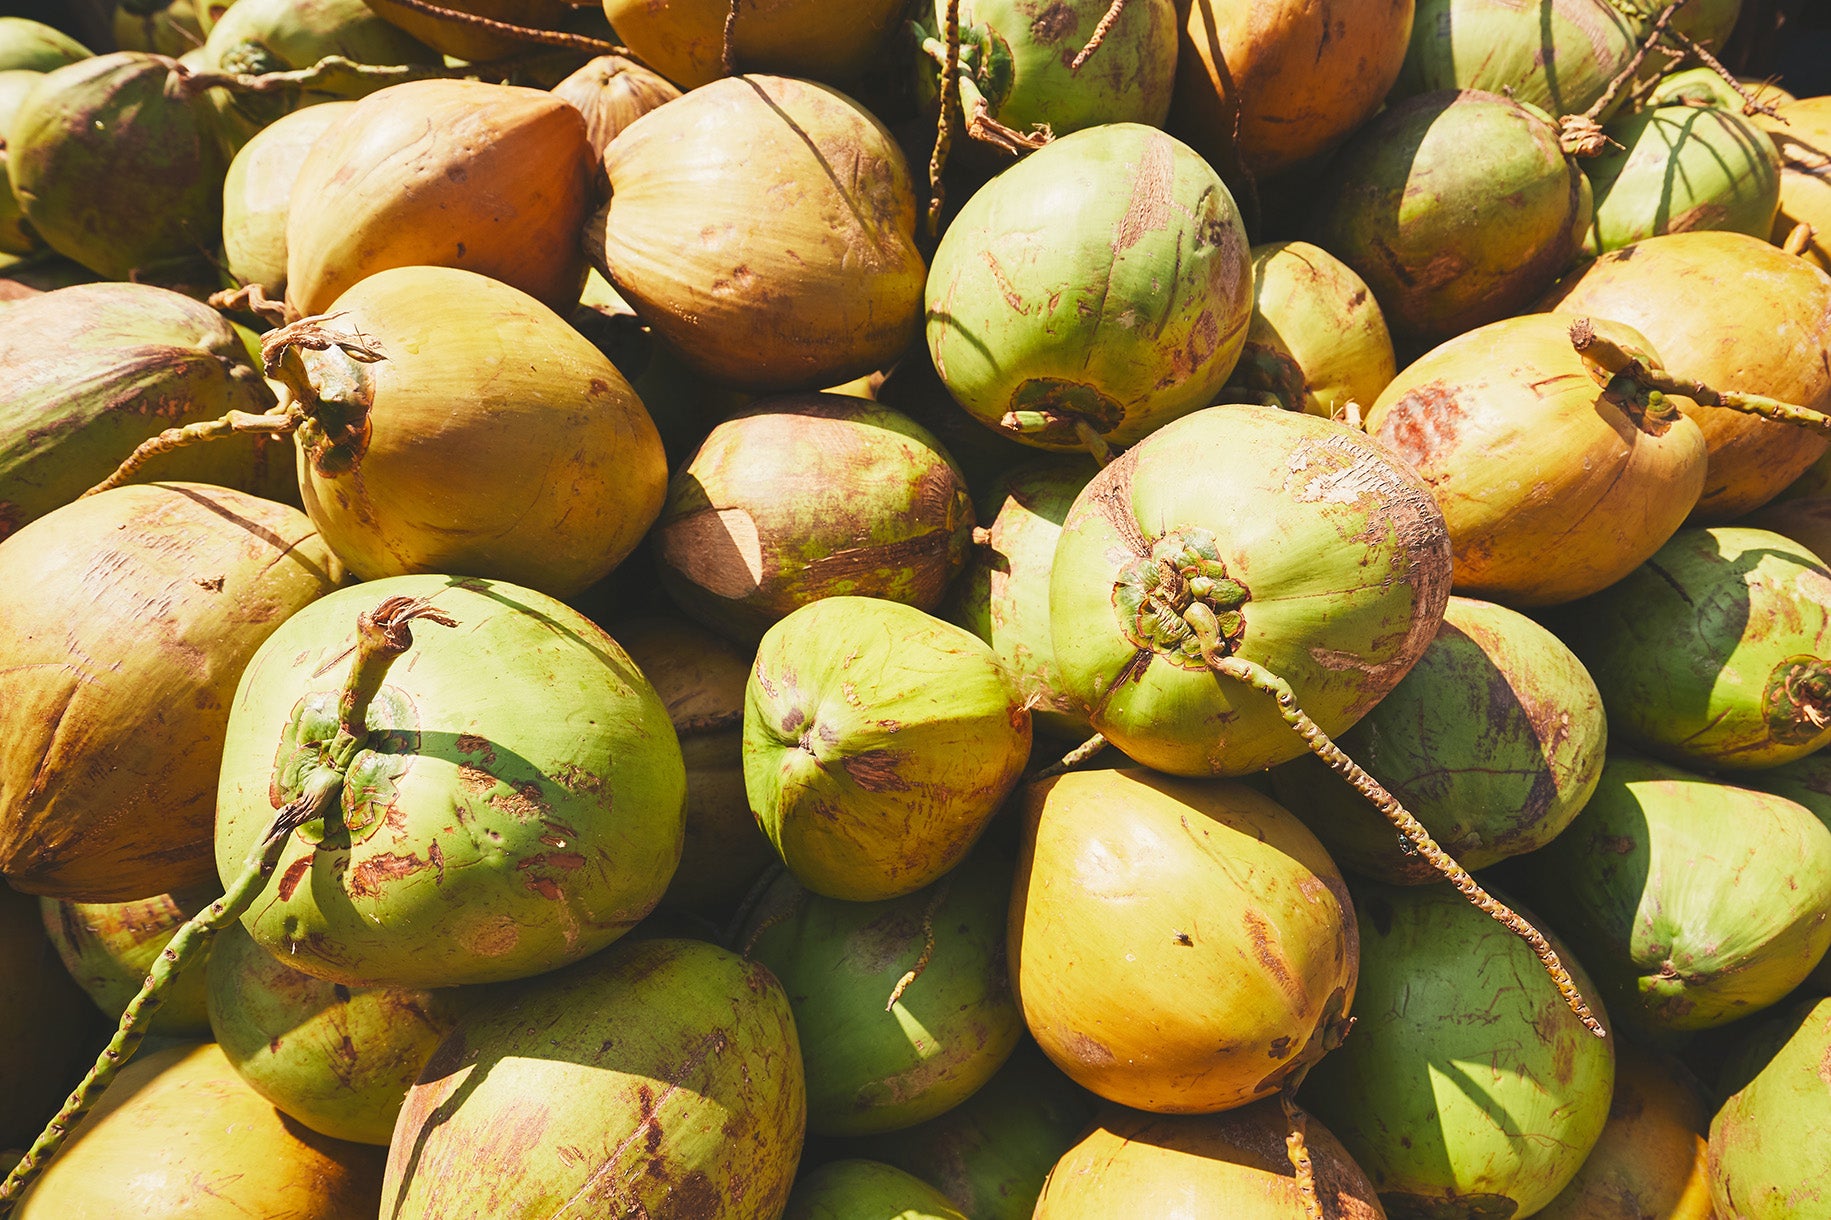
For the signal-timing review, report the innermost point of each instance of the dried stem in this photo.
(936, 897)
(283, 421)
(1620, 363)
(981, 126)
(1749, 105)
(1074, 758)
(728, 53)
(1099, 35)
(1800, 238)
(1096, 444)
(950, 109)
(1263, 680)
(552, 38)
(253, 298)
(312, 335)
(382, 635)
(331, 72)
(1581, 135)
(1297, 1149)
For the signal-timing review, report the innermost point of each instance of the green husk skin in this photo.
(866, 1190)
(516, 806)
(1339, 547)
(36, 46)
(1696, 903)
(1105, 279)
(337, 1059)
(257, 194)
(117, 168)
(871, 1067)
(256, 36)
(1317, 340)
(48, 1024)
(16, 236)
(1467, 1088)
(1494, 741)
(108, 948)
(1698, 86)
(1558, 56)
(1806, 781)
(989, 1154)
(95, 369)
(1716, 652)
(1682, 167)
(878, 742)
(1458, 209)
(1771, 1141)
(1003, 596)
(660, 1077)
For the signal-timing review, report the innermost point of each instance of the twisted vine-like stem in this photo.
(522, 33)
(1296, 1148)
(935, 898)
(728, 53)
(282, 421)
(950, 109)
(981, 126)
(1750, 106)
(1620, 363)
(1581, 135)
(253, 298)
(1099, 35)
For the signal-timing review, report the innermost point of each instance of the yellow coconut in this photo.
(1804, 145)
(685, 39)
(467, 40)
(1317, 340)
(445, 173)
(613, 92)
(1735, 313)
(179, 1136)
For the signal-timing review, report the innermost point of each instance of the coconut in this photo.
(181, 1137)
(16, 236)
(129, 617)
(50, 1025)
(661, 1076)
(257, 194)
(445, 173)
(984, 454)
(1557, 477)
(467, 837)
(904, 1007)
(687, 40)
(1695, 902)
(613, 92)
(337, 1059)
(1466, 1088)
(419, 380)
(109, 947)
(1317, 340)
(1681, 167)
(1266, 86)
(36, 47)
(165, 27)
(1234, 1165)
(989, 1155)
(96, 369)
(866, 1190)
(469, 41)
(1456, 208)
(257, 36)
(1716, 653)
(700, 679)
(1177, 946)
(1650, 1159)
(24, 278)
(878, 742)
(1804, 145)
(1003, 597)
(1494, 741)
(1099, 288)
(1733, 312)
(731, 234)
(1559, 56)
(114, 163)
(807, 496)
(1805, 521)
(1770, 1140)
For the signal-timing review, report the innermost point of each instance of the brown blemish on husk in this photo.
(367, 879)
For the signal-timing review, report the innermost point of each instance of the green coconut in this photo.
(1681, 167)
(257, 194)
(1770, 1141)
(1018, 59)
(52, 1029)
(659, 1077)
(1716, 652)
(1312, 551)
(904, 1007)
(337, 1059)
(109, 947)
(1120, 224)
(258, 36)
(37, 47)
(808, 496)
(878, 742)
(866, 1190)
(476, 833)
(1003, 596)
(1317, 340)
(163, 27)
(1494, 741)
(1703, 87)
(989, 1154)
(1456, 208)
(16, 236)
(129, 617)
(700, 679)
(115, 163)
(1467, 1088)
(1558, 56)
(95, 369)
(1706, 21)
(1695, 902)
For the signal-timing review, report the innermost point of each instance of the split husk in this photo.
(1317, 340)
(108, 948)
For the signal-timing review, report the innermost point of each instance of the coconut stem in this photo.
(728, 53)
(332, 72)
(1297, 1149)
(1799, 238)
(382, 635)
(1581, 135)
(185, 947)
(1074, 758)
(935, 898)
(950, 109)
(782, 916)
(1619, 363)
(282, 421)
(552, 38)
(1096, 444)
(1263, 680)
(1750, 106)
(1093, 44)
(987, 130)
(253, 298)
